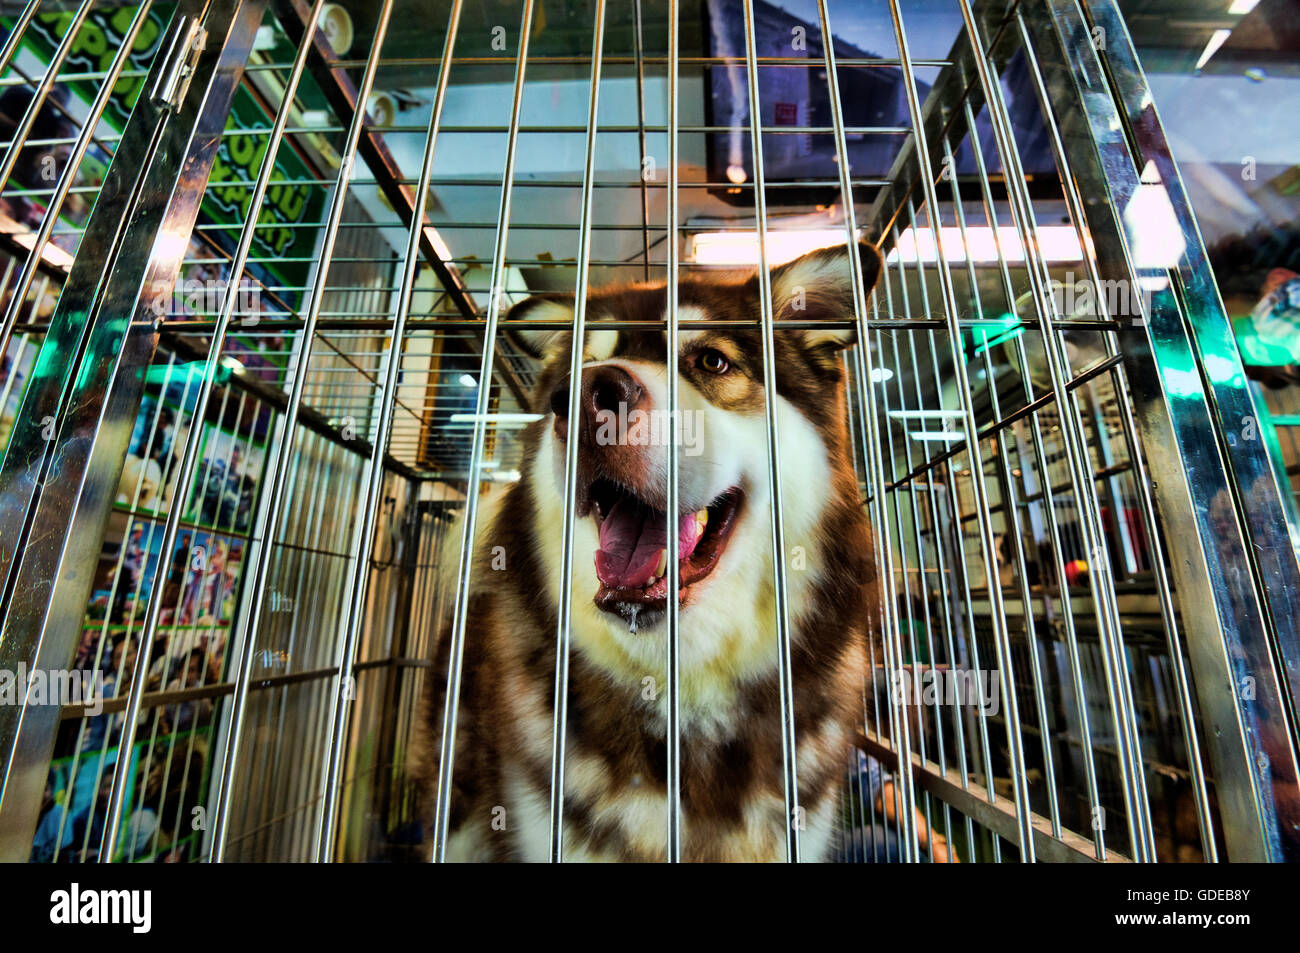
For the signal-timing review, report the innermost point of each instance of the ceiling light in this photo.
(1217, 39)
(500, 420)
(468, 380)
(741, 248)
(1056, 243)
(944, 415)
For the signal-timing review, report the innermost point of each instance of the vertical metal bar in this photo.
(854, 846)
(1049, 497)
(66, 178)
(1271, 549)
(307, 839)
(395, 729)
(363, 538)
(911, 484)
(305, 524)
(4, 287)
(916, 509)
(104, 635)
(9, 271)
(571, 452)
(189, 456)
(102, 324)
(902, 734)
(869, 808)
(673, 671)
(446, 764)
(153, 527)
(899, 730)
(1141, 478)
(1010, 508)
(793, 813)
(16, 34)
(1101, 583)
(251, 616)
(42, 91)
(639, 39)
(429, 610)
(942, 588)
(971, 429)
(1113, 484)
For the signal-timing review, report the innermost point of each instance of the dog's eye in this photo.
(715, 362)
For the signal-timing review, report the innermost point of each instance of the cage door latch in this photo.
(188, 43)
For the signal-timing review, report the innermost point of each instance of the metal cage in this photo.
(258, 261)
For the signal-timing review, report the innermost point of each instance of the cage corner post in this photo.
(1239, 621)
(58, 493)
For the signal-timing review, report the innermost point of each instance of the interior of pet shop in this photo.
(263, 368)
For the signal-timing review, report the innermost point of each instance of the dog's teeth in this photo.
(662, 567)
(701, 520)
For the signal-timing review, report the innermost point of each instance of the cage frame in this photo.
(1236, 578)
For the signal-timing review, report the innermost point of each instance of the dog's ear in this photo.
(819, 286)
(543, 343)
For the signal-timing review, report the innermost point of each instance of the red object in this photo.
(1074, 570)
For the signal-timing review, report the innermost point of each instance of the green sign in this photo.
(288, 203)
(97, 42)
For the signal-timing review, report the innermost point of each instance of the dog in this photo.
(732, 779)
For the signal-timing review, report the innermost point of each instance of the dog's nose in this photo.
(607, 388)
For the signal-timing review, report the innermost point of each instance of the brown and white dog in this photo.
(732, 777)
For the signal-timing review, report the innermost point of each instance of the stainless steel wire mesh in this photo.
(333, 382)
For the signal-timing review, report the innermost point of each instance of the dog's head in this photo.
(622, 429)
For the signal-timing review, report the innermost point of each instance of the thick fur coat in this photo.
(733, 806)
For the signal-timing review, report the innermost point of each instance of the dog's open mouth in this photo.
(632, 561)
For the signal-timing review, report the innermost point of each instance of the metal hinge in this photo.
(188, 43)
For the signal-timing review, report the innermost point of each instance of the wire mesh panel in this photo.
(107, 108)
(71, 74)
(887, 318)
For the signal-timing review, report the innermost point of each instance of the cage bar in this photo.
(268, 520)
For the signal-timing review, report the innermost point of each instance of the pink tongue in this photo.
(631, 538)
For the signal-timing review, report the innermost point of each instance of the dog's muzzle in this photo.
(617, 486)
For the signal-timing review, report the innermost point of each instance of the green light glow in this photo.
(989, 334)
